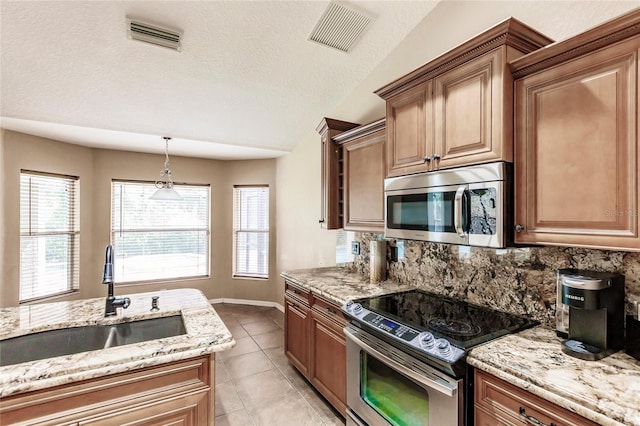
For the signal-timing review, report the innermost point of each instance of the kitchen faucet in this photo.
(107, 278)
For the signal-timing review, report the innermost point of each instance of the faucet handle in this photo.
(126, 303)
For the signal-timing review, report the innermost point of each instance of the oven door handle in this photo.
(457, 211)
(445, 388)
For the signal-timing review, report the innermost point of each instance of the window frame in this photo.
(113, 231)
(73, 234)
(252, 275)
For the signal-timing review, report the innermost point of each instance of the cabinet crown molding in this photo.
(510, 32)
(360, 131)
(333, 124)
(612, 31)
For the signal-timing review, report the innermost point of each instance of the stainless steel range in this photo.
(406, 358)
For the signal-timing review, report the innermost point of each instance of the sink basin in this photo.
(67, 341)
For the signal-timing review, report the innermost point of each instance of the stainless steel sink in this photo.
(67, 341)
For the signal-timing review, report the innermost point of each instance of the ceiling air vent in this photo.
(340, 27)
(153, 34)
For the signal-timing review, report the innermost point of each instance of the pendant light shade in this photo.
(165, 184)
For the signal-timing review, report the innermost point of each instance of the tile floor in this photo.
(255, 384)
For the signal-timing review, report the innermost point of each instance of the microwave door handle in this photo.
(457, 211)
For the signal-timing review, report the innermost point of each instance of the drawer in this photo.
(329, 310)
(497, 398)
(298, 294)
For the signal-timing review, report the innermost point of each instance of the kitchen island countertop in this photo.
(339, 284)
(205, 334)
(606, 391)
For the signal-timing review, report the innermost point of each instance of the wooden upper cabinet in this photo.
(576, 150)
(331, 177)
(364, 172)
(457, 109)
(409, 131)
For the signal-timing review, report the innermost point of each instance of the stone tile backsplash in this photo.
(521, 281)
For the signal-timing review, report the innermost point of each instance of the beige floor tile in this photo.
(248, 364)
(264, 326)
(273, 339)
(251, 318)
(222, 374)
(243, 346)
(291, 411)
(237, 331)
(264, 387)
(227, 399)
(321, 406)
(237, 418)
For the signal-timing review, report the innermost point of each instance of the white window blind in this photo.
(251, 231)
(158, 240)
(49, 235)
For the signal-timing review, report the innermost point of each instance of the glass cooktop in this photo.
(462, 324)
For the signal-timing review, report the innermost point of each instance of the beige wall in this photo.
(96, 168)
(301, 244)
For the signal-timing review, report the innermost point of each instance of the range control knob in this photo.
(426, 340)
(348, 305)
(444, 347)
(356, 308)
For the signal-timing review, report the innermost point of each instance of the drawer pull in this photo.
(331, 311)
(532, 420)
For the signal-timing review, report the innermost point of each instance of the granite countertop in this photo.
(339, 284)
(606, 391)
(205, 334)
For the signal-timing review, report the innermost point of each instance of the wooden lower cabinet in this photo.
(296, 327)
(500, 403)
(328, 371)
(178, 393)
(315, 343)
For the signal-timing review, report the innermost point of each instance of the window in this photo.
(49, 235)
(157, 240)
(251, 231)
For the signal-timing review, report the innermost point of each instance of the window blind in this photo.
(49, 235)
(251, 231)
(158, 240)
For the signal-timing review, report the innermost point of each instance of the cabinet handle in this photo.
(518, 228)
(331, 311)
(426, 159)
(532, 420)
(436, 157)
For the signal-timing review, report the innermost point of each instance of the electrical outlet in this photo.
(355, 247)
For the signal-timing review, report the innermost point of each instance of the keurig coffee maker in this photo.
(595, 302)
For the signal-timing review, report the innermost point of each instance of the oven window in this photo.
(432, 211)
(395, 397)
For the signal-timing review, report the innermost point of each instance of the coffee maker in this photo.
(590, 312)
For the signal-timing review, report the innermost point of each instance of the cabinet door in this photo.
(328, 372)
(410, 131)
(185, 410)
(364, 177)
(576, 165)
(296, 340)
(468, 110)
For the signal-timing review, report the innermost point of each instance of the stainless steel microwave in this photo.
(467, 205)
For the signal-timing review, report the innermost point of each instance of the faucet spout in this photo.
(107, 278)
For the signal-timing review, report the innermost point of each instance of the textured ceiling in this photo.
(247, 83)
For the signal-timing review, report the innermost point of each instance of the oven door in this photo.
(385, 386)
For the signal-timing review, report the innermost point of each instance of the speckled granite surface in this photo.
(206, 333)
(521, 280)
(340, 284)
(605, 391)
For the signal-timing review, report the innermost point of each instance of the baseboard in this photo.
(248, 302)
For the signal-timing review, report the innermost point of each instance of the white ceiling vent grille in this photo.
(340, 27)
(153, 34)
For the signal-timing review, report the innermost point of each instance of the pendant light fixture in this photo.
(165, 184)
